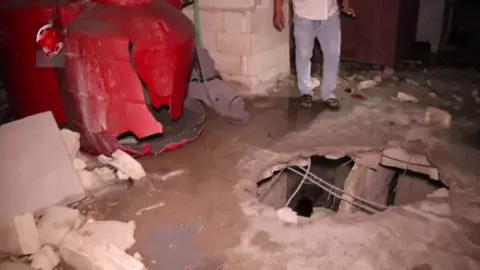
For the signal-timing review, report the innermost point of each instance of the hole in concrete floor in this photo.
(342, 186)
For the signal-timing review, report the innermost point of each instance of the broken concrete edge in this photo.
(40, 240)
(246, 189)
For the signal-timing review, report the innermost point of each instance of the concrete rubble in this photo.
(42, 231)
(124, 163)
(84, 245)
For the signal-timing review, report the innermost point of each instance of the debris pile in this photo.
(120, 166)
(43, 172)
(62, 234)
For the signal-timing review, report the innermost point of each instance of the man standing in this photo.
(315, 19)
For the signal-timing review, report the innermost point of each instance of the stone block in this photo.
(125, 163)
(210, 20)
(36, 168)
(81, 252)
(228, 64)
(236, 21)
(435, 116)
(19, 236)
(45, 259)
(117, 233)
(56, 222)
(234, 43)
(227, 4)
(259, 62)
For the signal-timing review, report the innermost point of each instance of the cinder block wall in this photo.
(240, 37)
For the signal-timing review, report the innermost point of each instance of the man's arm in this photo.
(278, 17)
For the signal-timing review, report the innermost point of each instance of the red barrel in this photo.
(31, 89)
(125, 59)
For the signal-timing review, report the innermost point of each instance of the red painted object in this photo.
(124, 60)
(31, 89)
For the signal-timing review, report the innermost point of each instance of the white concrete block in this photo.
(36, 168)
(82, 252)
(227, 63)
(125, 163)
(234, 43)
(236, 21)
(259, 62)
(71, 140)
(56, 222)
(79, 164)
(117, 233)
(19, 236)
(210, 20)
(227, 4)
(45, 259)
(287, 215)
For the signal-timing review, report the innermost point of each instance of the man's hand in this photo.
(347, 8)
(278, 16)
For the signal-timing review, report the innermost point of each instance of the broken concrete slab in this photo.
(369, 184)
(438, 117)
(19, 236)
(56, 222)
(120, 234)
(36, 168)
(45, 259)
(370, 160)
(15, 266)
(367, 84)
(125, 163)
(71, 140)
(81, 252)
(401, 159)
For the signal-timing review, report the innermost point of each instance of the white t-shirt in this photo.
(315, 9)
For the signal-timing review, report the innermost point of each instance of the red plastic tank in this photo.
(31, 89)
(125, 59)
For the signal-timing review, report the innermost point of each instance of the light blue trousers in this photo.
(329, 35)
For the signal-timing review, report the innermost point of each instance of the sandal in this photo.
(332, 104)
(306, 101)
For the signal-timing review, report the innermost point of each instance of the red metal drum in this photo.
(125, 59)
(31, 89)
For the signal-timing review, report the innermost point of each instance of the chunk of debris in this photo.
(412, 82)
(45, 259)
(367, 84)
(401, 159)
(15, 266)
(370, 160)
(439, 193)
(122, 176)
(388, 72)
(106, 174)
(36, 169)
(120, 234)
(90, 180)
(378, 78)
(435, 116)
(81, 252)
(56, 222)
(79, 164)
(406, 97)
(287, 215)
(19, 236)
(71, 140)
(125, 163)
